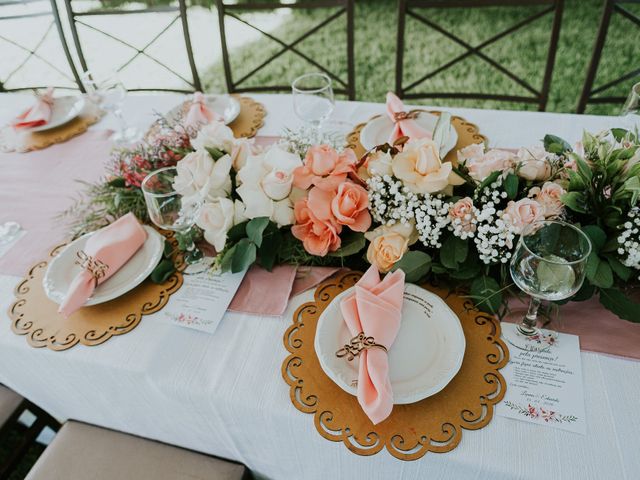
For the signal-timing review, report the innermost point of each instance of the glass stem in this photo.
(123, 125)
(528, 325)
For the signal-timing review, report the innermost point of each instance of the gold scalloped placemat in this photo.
(434, 424)
(468, 134)
(37, 317)
(25, 141)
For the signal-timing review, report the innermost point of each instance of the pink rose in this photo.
(350, 207)
(481, 164)
(462, 213)
(325, 168)
(533, 164)
(318, 236)
(522, 213)
(549, 197)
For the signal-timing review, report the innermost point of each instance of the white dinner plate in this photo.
(425, 356)
(224, 105)
(378, 130)
(63, 110)
(63, 269)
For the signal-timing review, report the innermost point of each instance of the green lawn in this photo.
(524, 52)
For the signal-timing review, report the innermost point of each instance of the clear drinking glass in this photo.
(313, 100)
(108, 92)
(632, 105)
(549, 263)
(174, 203)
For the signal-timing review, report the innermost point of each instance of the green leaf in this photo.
(487, 294)
(575, 181)
(117, 182)
(599, 272)
(584, 169)
(469, 269)
(215, 153)
(268, 251)
(167, 250)
(493, 176)
(255, 228)
(225, 263)
(619, 133)
(351, 244)
(620, 304)
(553, 276)
(585, 293)
(597, 236)
(244, 256)
(553, 144)
(621, 270)
(415, 265)
(511, 185)
(575, 201)
(438, 269)
(237, 232)
(162, 271)
(454, 251)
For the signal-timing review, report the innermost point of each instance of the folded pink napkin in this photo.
(404, 125)
(105, 252)
(199, 113)
(374, 308)
(38, 114)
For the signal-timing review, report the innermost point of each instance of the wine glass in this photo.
(108, 92)
(174, 203)
(313, 99)
(549, 263)
(631, 107)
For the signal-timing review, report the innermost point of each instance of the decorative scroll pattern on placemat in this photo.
(37, 317)
(468, 134)
(434, 424)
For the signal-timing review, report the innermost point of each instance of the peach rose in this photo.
(533, 164)
(318, 236)
(462, 213)
(549, 197)
(481, 164)
(389, 244)
(350, 207)
(421, 170)
(325, 168)
(522, 213)
(379, 163)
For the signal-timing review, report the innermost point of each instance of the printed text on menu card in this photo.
(203, 299)
(544, 380)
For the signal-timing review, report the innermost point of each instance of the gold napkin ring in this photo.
(356, 345)
(96, 268)
(399, 116)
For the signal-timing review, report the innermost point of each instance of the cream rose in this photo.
(265, 185)
(549, 196)
(214, 135)
(481, 164)
(389, 244)
(522, 213)
(379, 163)
(198, 173)
(462, 213)
(533, 164)
(216, 218)
(421, 170)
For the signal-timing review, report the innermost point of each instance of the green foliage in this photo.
(487, 294)
(556, 145)
(620, 304)
(511, 186)
(352, 243)
(415, 265)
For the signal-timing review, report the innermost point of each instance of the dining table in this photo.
(223, 393)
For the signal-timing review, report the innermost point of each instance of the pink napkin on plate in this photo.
(36, 115)
(375, 309)
(108, 249)
(404, 126)
(199, 113)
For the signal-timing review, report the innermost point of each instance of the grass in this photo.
(524, 52)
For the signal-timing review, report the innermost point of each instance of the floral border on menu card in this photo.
(190, 320)
(540, 413)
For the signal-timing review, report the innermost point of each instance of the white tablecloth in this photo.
(223, 394)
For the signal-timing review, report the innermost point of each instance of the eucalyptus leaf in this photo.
(599, 272)
(554, 144)
(511, 185)
(237, 232)
(487, 294)
(244, 256)
(351, 245)
(255, 228)
(162, 271)
(415, 265)
(215, 153)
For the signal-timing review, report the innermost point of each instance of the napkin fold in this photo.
(199, 113)
(105, 252)
(375, 309)
(38, 114)
(404, 126)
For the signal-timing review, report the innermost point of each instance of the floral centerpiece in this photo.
(400, 206)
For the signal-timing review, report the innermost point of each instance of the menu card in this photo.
(202, 300)
(544, 380)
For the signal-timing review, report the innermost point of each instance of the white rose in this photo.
(533, 164)
(216, 218)
(198, 173)
(214, 135)
(379, 163)
(265, 185)
(241, 150)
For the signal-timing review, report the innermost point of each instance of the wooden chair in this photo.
(12, 406)
(409, 8)
(591, 95)
(27, 9)
(346, 7)
(79, 18)
(80, 451)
